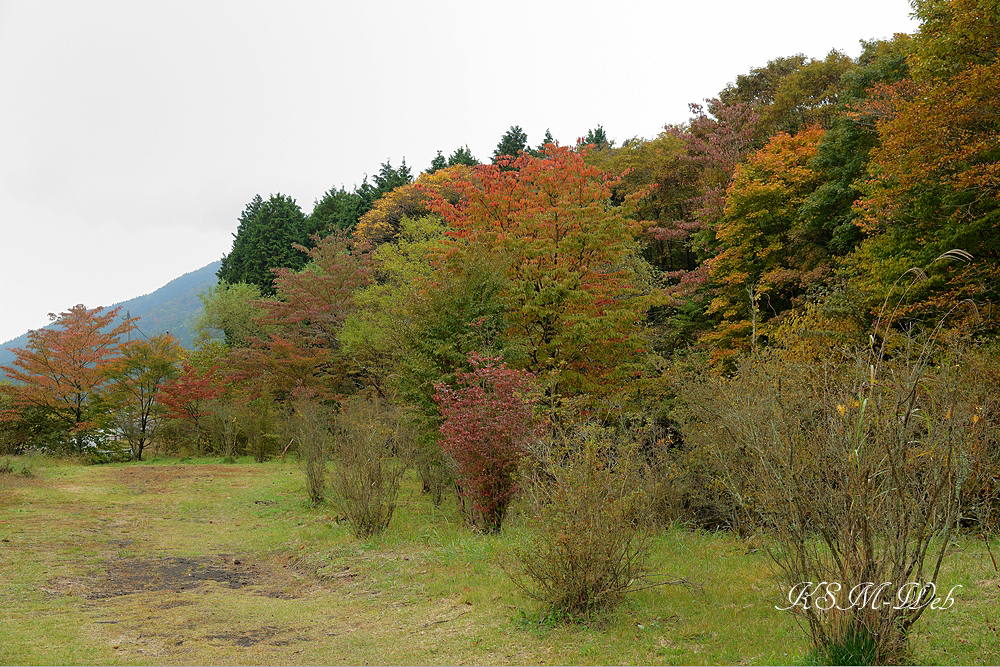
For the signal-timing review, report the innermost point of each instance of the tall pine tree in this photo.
(264, 241)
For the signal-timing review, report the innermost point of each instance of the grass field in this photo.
(163, 562)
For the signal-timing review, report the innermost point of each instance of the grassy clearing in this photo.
(168, 563)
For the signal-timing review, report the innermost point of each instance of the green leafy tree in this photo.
(596, 137)
(439, 162)
(843, 153)
(231, 311)
(792, 93)
(375, 335)
(546, 140)
(416, 326)
(265, 240)
(809, 95)
(389, 178)
(135, 380)
(26, 427)
(760, 86)
(338, 210)
(461, 156)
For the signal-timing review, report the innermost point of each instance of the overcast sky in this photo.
(133, 133)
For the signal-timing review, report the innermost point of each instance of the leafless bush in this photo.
(432, 467)
(859, 471)
(372, 445)
(309, 427)
(588, 544)
(226, 427)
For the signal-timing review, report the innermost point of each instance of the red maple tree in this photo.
(187, 395)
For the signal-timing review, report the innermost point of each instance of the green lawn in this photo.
(168, 563)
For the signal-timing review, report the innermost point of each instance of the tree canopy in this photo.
(265, 240)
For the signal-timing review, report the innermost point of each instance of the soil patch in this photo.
(251, 637)
(157, 479)
(134, 575)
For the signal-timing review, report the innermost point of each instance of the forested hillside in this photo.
(780, 315)
(175, 307)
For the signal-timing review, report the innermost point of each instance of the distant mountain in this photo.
(173, 308)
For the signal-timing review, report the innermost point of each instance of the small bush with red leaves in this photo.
(488, 423)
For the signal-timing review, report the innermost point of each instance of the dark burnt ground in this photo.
(135, 575)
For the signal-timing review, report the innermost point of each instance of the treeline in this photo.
(788, 213)
(796, 198)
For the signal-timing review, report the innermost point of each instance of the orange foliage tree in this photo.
(934, 178)
(575, 299)
(136, 378)
(765, 259)
(382, 222)
(63, 370)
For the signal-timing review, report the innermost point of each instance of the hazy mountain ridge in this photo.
(173, 308)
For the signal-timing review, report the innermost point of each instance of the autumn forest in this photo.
(779, 317)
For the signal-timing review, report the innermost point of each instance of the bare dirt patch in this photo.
(157, 479)
(127, 576)
(251, 637)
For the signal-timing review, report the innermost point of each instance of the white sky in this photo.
(133, 133)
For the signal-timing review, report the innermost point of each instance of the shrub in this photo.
(7, 468)
(859, 470)
(981, 387)
(488, 422)
(175, 438)
(371, 449)
(110, 451)
(225, 423)
(261, 418)
(431, 465)
(30, 428)
(309, 427)
(587, 546)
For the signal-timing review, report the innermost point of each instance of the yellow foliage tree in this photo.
(382, 223)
